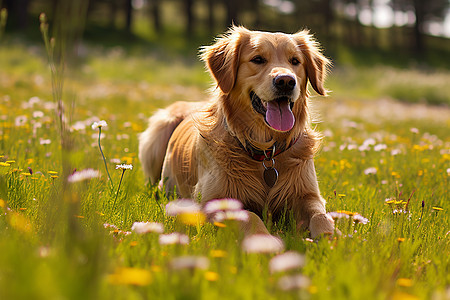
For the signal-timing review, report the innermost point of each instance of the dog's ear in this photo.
(316, 64)
(222, 58)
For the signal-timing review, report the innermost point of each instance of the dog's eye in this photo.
(259, 60)
(295, 61)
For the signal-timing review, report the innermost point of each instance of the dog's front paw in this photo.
(321, 224)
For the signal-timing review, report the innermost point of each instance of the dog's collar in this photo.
(261, 155)
(258, 154)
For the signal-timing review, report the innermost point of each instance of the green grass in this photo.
(53, 242)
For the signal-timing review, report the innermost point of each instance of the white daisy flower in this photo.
(180, 206)
(190, 262)
(286, 261)
(44, 141)
(124, 167)
(360, 219)
(20, 120)
(395, 152)
(78, 126)
(414, 130)
(337, 215)
(379, 147)
(369, 142)
(173, 238)
(294, 282)
(363, 148)
(216, 205)
(262, 243)
(84, 175)
(146, 227)
(38, 114)
(99, 124)
(236, 215)
(110, 226)
(370, 171)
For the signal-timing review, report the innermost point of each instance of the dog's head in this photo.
(267, 74)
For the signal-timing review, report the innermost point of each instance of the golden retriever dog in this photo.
(252, 141)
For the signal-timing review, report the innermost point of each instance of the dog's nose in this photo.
(284, 83)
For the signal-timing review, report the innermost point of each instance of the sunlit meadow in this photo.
(79, 221)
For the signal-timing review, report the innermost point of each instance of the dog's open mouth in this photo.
(277, 112)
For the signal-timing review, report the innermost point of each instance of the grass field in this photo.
(383, 159)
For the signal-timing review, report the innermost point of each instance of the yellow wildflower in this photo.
(127, 159)
(400, 240)
(437, 208)
(349, 213)
(395, 174)
(20, 222)
(133, 276)
(312, 289)
(136, 127)
(4, 164)
(192, 218)
(219, 224)
(155, 268)
(211, 276)
(133, 243)
(218, 253)
(2, 203)
(405, 282)
(403, 296)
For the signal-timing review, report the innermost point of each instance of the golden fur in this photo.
(204, 156)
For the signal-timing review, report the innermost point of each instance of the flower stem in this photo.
(103, 156)
(118, 188)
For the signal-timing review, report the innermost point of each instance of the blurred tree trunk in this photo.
(18, 9)
(357, 29)
(419, 9)
(129, 15)
(156, 15)
(211, 16)
(189, 16)
(328, 19)
(232, 12)
(374, 31)
(396, 35)
(22, 12)
(254, 4)
(112, 13)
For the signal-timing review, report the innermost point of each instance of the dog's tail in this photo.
(153, 141)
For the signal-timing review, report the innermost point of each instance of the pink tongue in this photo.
(279, 115)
